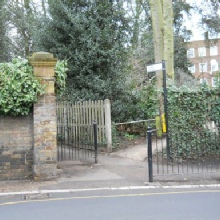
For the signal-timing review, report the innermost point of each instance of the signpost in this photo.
(153, 68)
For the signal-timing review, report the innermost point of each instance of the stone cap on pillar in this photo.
(43, 64)
(45, 58)
(42, 55)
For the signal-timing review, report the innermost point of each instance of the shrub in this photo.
(60, 76)
(19, 88)
(189, 111)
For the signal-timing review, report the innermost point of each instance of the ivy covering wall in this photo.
(19, 88)
(193, 121)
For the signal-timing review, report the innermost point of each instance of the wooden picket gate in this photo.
(75, 127)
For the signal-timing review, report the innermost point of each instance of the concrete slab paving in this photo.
(124, 168)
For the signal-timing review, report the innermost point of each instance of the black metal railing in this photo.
(77, 142)
(188, 153)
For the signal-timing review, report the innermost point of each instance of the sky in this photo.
(192, 23)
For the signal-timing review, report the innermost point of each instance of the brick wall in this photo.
(16, 147)
(28, 145)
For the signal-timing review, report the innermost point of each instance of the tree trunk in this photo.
(157, 24)
(136, 30)
(44, 7)
(162, 23)
(168, 37)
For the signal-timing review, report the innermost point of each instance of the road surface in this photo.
(115, 205)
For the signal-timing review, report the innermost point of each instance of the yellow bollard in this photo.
(164, 126)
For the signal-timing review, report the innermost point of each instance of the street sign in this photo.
(154, 67)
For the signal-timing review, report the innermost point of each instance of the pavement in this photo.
(123, 169)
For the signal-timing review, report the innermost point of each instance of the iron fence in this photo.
(179, 153)
(77, 142)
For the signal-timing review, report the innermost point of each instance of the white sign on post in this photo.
(154, 67)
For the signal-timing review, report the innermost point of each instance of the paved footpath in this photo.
(125, 169)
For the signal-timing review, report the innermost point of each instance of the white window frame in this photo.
(214, 65)
(191, 53)
(202, 67)
(214, 81)
(192, 68)
(213, 51)
(202, 51)
(203, 81)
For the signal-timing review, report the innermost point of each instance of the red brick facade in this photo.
(205, 57)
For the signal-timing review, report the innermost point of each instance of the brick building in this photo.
(205, 57)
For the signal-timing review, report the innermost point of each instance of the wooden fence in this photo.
(81, 114)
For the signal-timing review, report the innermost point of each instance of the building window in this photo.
(214, 65)
(190, 53)
(202, 51)
(215, 81)
(192, 68)
(213, 51)
(204, 81)
(202, 67)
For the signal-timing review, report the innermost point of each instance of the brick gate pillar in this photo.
(44, 120)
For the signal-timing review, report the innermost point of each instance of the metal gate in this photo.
(179, 153)
(189, 147)
(77, 142)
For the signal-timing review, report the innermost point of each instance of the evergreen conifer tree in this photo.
(92, 36)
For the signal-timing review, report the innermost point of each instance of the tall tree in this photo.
(162, 23)
(143, 51)
(93, 37)
(4, 39)
(21, 22)
(210, 16)
(181, 34)
(136, 24)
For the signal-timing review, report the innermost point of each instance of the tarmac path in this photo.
(190, 205)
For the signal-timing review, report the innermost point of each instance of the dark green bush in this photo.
(19, 88)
